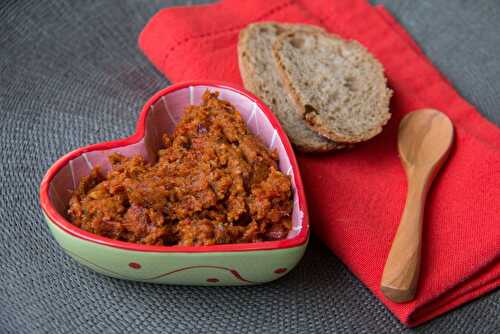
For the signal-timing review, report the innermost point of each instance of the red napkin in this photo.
(356, 197)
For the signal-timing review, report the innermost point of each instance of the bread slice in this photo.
(338, 87)
(260, 76)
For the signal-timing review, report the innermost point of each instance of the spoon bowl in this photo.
(424, 137)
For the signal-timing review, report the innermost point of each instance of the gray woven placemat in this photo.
(71, 74)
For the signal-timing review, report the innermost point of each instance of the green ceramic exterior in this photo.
(211, 268)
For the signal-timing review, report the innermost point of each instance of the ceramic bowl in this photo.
(230, 264)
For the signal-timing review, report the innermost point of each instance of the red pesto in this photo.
(214, 183)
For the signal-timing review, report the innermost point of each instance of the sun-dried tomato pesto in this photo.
(214, 183)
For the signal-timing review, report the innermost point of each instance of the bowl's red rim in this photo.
(71, 229)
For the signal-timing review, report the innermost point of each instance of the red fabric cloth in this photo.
(356, 197)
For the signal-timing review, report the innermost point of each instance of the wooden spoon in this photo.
(424, 140)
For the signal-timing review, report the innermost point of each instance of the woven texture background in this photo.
(71, 75)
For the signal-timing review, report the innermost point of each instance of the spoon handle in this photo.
(402, 268)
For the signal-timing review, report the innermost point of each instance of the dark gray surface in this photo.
(70, 75)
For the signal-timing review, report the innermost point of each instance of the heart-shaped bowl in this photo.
(228, 264)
